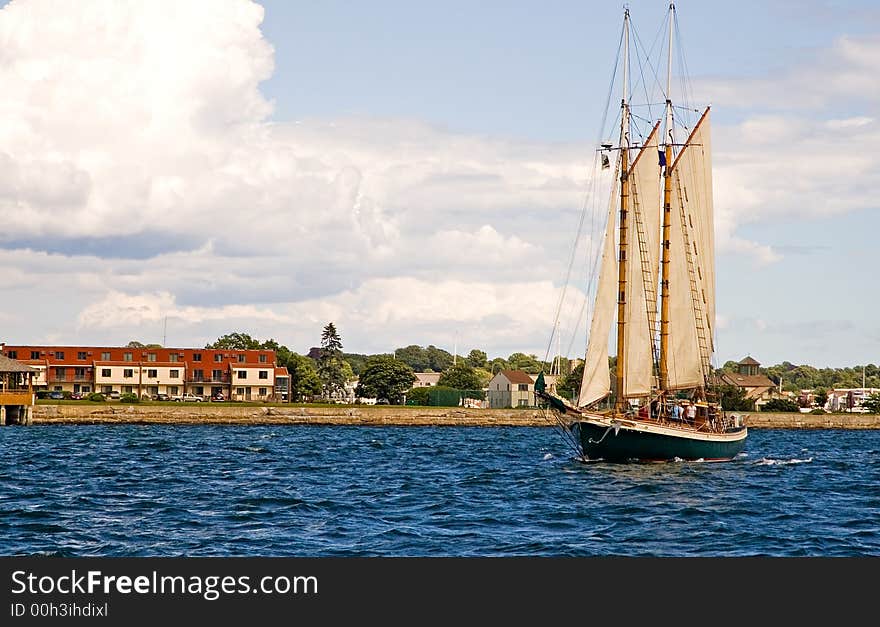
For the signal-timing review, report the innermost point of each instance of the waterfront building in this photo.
(758, 387)
(16, 392)
(241, 375)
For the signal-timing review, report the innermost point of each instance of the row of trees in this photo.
(326, 370)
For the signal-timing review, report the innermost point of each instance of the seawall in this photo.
(199, 413)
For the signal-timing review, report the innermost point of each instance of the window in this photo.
(35, 354)
(12, 354)
(262, 391)
(198, 375)
(105, 356)
(105, 372)
(81, 355)
(197, 357)
(60, 372)
(262, 359)
(199, 390)
(216, 375)
(79, 373)
(172, 390)
(218, 357)
(172, 357)
(151, 356)
(241, 359)
(127, 389)
(523, 402)
(126, 356)
(264, 374)
(59, 354)
(152, 373)
(174, 373)
(242, 374)
(523, 387)
(128, 373)
(106, 389)
(239, 391)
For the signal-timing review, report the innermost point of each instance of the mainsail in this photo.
(692, 262)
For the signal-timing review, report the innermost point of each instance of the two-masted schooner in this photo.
(656, 288)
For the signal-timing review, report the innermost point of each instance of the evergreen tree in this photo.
(330, 363)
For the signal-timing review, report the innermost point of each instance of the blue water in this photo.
(414, 491)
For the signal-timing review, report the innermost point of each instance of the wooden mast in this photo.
(667, 219)
(620, 368)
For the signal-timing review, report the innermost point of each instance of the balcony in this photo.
(209, 379)
(76, 378)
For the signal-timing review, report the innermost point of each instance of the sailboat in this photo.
(656, 288)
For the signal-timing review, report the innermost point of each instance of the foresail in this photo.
(643, 254)
(596, 383)
(692, 262)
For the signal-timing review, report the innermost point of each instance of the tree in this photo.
(413, 356)
(237, 341)
(135, 344)
(526, 363)
(418, 396)
(733, 398)
(385, 377)
(820, 397)
(497, 365)
(780, 405)
(477, 359)
(872, 403)
(438, 359)
(461, 376)
(569, 386)
(304, 379)
(330, 362)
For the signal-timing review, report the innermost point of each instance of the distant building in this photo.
(426, 379)
(758, 387)
(848, 399)
(511, 388)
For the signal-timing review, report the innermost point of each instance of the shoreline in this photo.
(385, 415)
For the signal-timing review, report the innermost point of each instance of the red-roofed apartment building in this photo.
(241, 375)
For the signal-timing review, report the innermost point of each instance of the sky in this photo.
(173, 171)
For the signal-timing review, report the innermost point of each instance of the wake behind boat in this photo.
(656, 287)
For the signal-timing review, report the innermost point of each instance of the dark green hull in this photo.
(629, 444)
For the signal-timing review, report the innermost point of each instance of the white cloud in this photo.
(141, 179)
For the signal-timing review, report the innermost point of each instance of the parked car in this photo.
(56, 395)
(161, 397)
(76, 396)
(187, 398)
(113, 395)
(218, 398)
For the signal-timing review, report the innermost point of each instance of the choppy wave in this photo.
(433, 491)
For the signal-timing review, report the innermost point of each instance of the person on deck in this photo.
(692, 412)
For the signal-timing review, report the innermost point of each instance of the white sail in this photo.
(596, 383)
(643, 252)
(692, 262)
